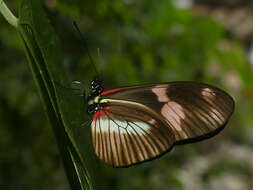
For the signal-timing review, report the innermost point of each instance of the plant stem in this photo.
(8, 14)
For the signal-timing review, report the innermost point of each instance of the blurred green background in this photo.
(139, 42)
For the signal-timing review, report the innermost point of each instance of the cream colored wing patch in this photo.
(124, 141)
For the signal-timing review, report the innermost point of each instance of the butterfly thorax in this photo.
(94, 100)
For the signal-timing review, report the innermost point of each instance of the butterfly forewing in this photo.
(123, 135)
(193, 111)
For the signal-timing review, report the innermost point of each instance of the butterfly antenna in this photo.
(85, 46)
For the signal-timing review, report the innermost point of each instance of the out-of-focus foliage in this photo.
(139, 42)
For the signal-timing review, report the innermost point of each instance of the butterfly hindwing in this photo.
(193, 111)
(123, 136)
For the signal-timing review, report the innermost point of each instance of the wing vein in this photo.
(172, 116)
(133, 147)
(208, 120)
(143, 149)
(101, 141)
(110, 143)
(212, 106)
(151, 140)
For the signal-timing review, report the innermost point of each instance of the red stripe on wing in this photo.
(97, 114)
(100, 112)
(110, 91)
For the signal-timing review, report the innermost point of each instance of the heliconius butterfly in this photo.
(135, 124)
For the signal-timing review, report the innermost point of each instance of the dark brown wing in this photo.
(123, 136)
(193, 111)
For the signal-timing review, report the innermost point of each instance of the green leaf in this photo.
(65, 112)
(8, 14)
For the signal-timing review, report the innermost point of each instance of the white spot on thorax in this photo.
(96, 99)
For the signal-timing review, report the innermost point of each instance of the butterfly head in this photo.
(96, 87)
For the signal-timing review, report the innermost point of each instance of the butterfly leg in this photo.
(86, 123)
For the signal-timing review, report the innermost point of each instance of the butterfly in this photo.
(131, 125)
